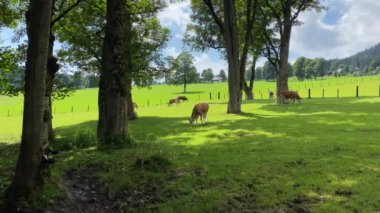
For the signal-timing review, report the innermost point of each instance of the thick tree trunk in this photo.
(283, 72)
(28, 174)
(232, 48)
(113, 92)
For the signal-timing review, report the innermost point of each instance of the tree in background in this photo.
(28, 174)
(298, 68)
(207, 74)
(282, 15)
(183, 71)
(269, 71)
(226, 26)
(223, 75)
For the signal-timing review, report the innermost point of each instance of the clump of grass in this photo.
(115, 141)
(85, 139)
(80, 139)
(155, 163)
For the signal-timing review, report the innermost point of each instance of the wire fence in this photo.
(261, 94)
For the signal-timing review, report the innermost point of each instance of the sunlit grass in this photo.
(323, 153)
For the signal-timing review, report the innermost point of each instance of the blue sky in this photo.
(344, 28)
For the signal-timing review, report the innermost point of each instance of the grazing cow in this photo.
(135, 105)
(271, 95)
(182, 98)
(292, 95)
(172, 101)
(199, 110)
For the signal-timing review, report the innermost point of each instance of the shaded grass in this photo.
(321, 156)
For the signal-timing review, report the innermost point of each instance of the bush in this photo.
(85, 138)
(80, 139)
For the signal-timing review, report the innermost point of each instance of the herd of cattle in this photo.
(201, 109)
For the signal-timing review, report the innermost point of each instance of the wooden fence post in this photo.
(210, 96)
(357, 91)
(309, 94)
(218, 95)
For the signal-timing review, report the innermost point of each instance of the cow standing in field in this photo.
(289, 95)
(199, 110)
(182, 98)
(173, 100)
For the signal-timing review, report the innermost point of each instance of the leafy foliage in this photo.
(83, 38)
(183, 70)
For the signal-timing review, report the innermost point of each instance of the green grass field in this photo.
(321, 156)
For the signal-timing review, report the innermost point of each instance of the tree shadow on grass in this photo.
(8, 153)
(271, 156)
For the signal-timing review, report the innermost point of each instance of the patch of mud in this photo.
(84, 193)
(240, 203)
(300, 204)
(344, 193)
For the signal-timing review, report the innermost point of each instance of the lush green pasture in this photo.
(321, 156)
(86, 100)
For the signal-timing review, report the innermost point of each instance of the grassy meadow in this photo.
(319, 156)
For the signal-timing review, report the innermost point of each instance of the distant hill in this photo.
(367, 59)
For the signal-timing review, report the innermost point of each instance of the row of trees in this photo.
(183, 72)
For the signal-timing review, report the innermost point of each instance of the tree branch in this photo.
(217, 19)
(60, 16)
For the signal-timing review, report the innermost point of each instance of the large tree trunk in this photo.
(283, 72)
(28, 174)
(232, 48)
(113, 92)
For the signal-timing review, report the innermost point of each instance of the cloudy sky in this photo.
(344, 28)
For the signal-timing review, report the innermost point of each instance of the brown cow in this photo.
(172, 101)
(182, 98)
(292, 95)
(199, 110)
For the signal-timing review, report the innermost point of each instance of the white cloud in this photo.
(203, 61)
(171, 51)
(176, 16)
(353, 32)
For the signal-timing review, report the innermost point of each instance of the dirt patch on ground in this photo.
(84, 193)
(300, 204)
(240, 203)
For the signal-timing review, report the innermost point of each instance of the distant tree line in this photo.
(363, 63)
